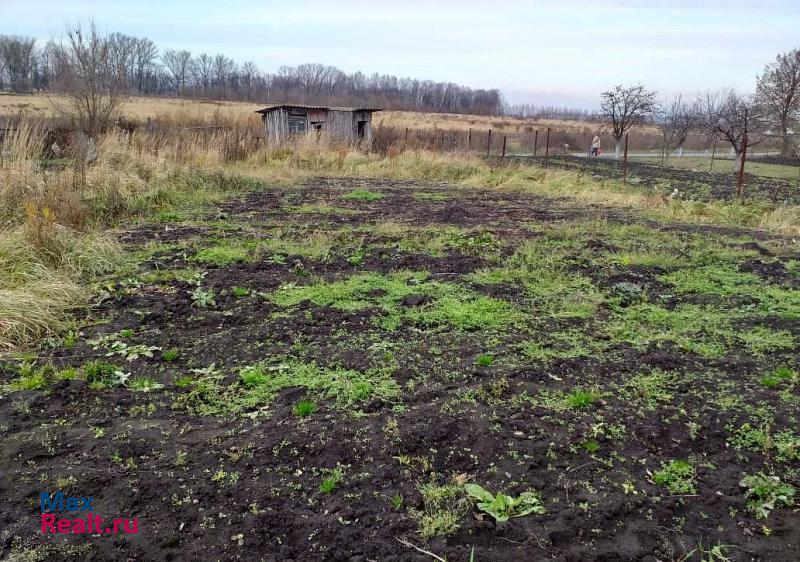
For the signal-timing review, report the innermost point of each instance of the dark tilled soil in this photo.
(140, 456)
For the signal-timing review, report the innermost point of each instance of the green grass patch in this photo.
(223, 254)
(259, 384)
(449, 304)
(362, 195)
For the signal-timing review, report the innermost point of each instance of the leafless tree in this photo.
(18, 56)
(91, 77)
(249, 72)
(778, 92)
(144, 59)
(177, 62)
(223, 67)
(731, 117)
(203, 68)
(624, 107)
(676, 120)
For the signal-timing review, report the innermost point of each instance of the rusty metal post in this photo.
(405, 139)
(489, 143)
(535, 140)
(504, 147)
(740, 180)
(547, 147)
(713, 153)
(625, 160)
(469, 140)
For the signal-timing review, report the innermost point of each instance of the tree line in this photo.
(770, 113)
(141, 68)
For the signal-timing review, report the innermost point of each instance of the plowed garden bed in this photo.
(317, 372)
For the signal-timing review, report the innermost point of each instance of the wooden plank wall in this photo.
(341, 125)
(277, 126)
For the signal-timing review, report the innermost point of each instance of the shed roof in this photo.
(315, 107)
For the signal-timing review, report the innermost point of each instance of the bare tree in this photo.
(778, 92)
(678, 118)
(203, 68)
(19, 59)
(624, 107)
(177, 62)
(249, 73)
(144, 58)
(732, 117)
(90, 76)
(223, 67)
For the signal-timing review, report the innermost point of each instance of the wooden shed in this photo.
(346, 124)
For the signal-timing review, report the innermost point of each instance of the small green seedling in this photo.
(144, 384)
(580, 399)
(240, 292)
(170, 354)
(765, 493)
(777, 377)
(397, 500)
(503, 507)
(330, 482)
(183, 381)
(677, 475)
(484, 360)
(203, 298)
(305, 408)
(591, 446)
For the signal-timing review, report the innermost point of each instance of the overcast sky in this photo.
(561, 52)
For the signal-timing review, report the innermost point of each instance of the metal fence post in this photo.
(489, 143)
(547, 148)
(625, 160)
(740, 180)
(469, 140)
(535, 140)
(504, 147)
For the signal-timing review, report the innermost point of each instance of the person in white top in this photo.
(596, 145)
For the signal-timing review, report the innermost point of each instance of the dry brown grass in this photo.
(190, 112)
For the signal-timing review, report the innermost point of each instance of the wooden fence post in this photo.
(625, 160)
(504, 147)
(405, 139)
(740, 180)
(469, 140)
(535, 140)
(489, 143)
(547, 147)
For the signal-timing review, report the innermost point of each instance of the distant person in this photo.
(596, 145)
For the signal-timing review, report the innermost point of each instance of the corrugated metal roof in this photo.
(315, 107)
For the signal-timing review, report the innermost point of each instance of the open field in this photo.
(220, 112)
(311, 353)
